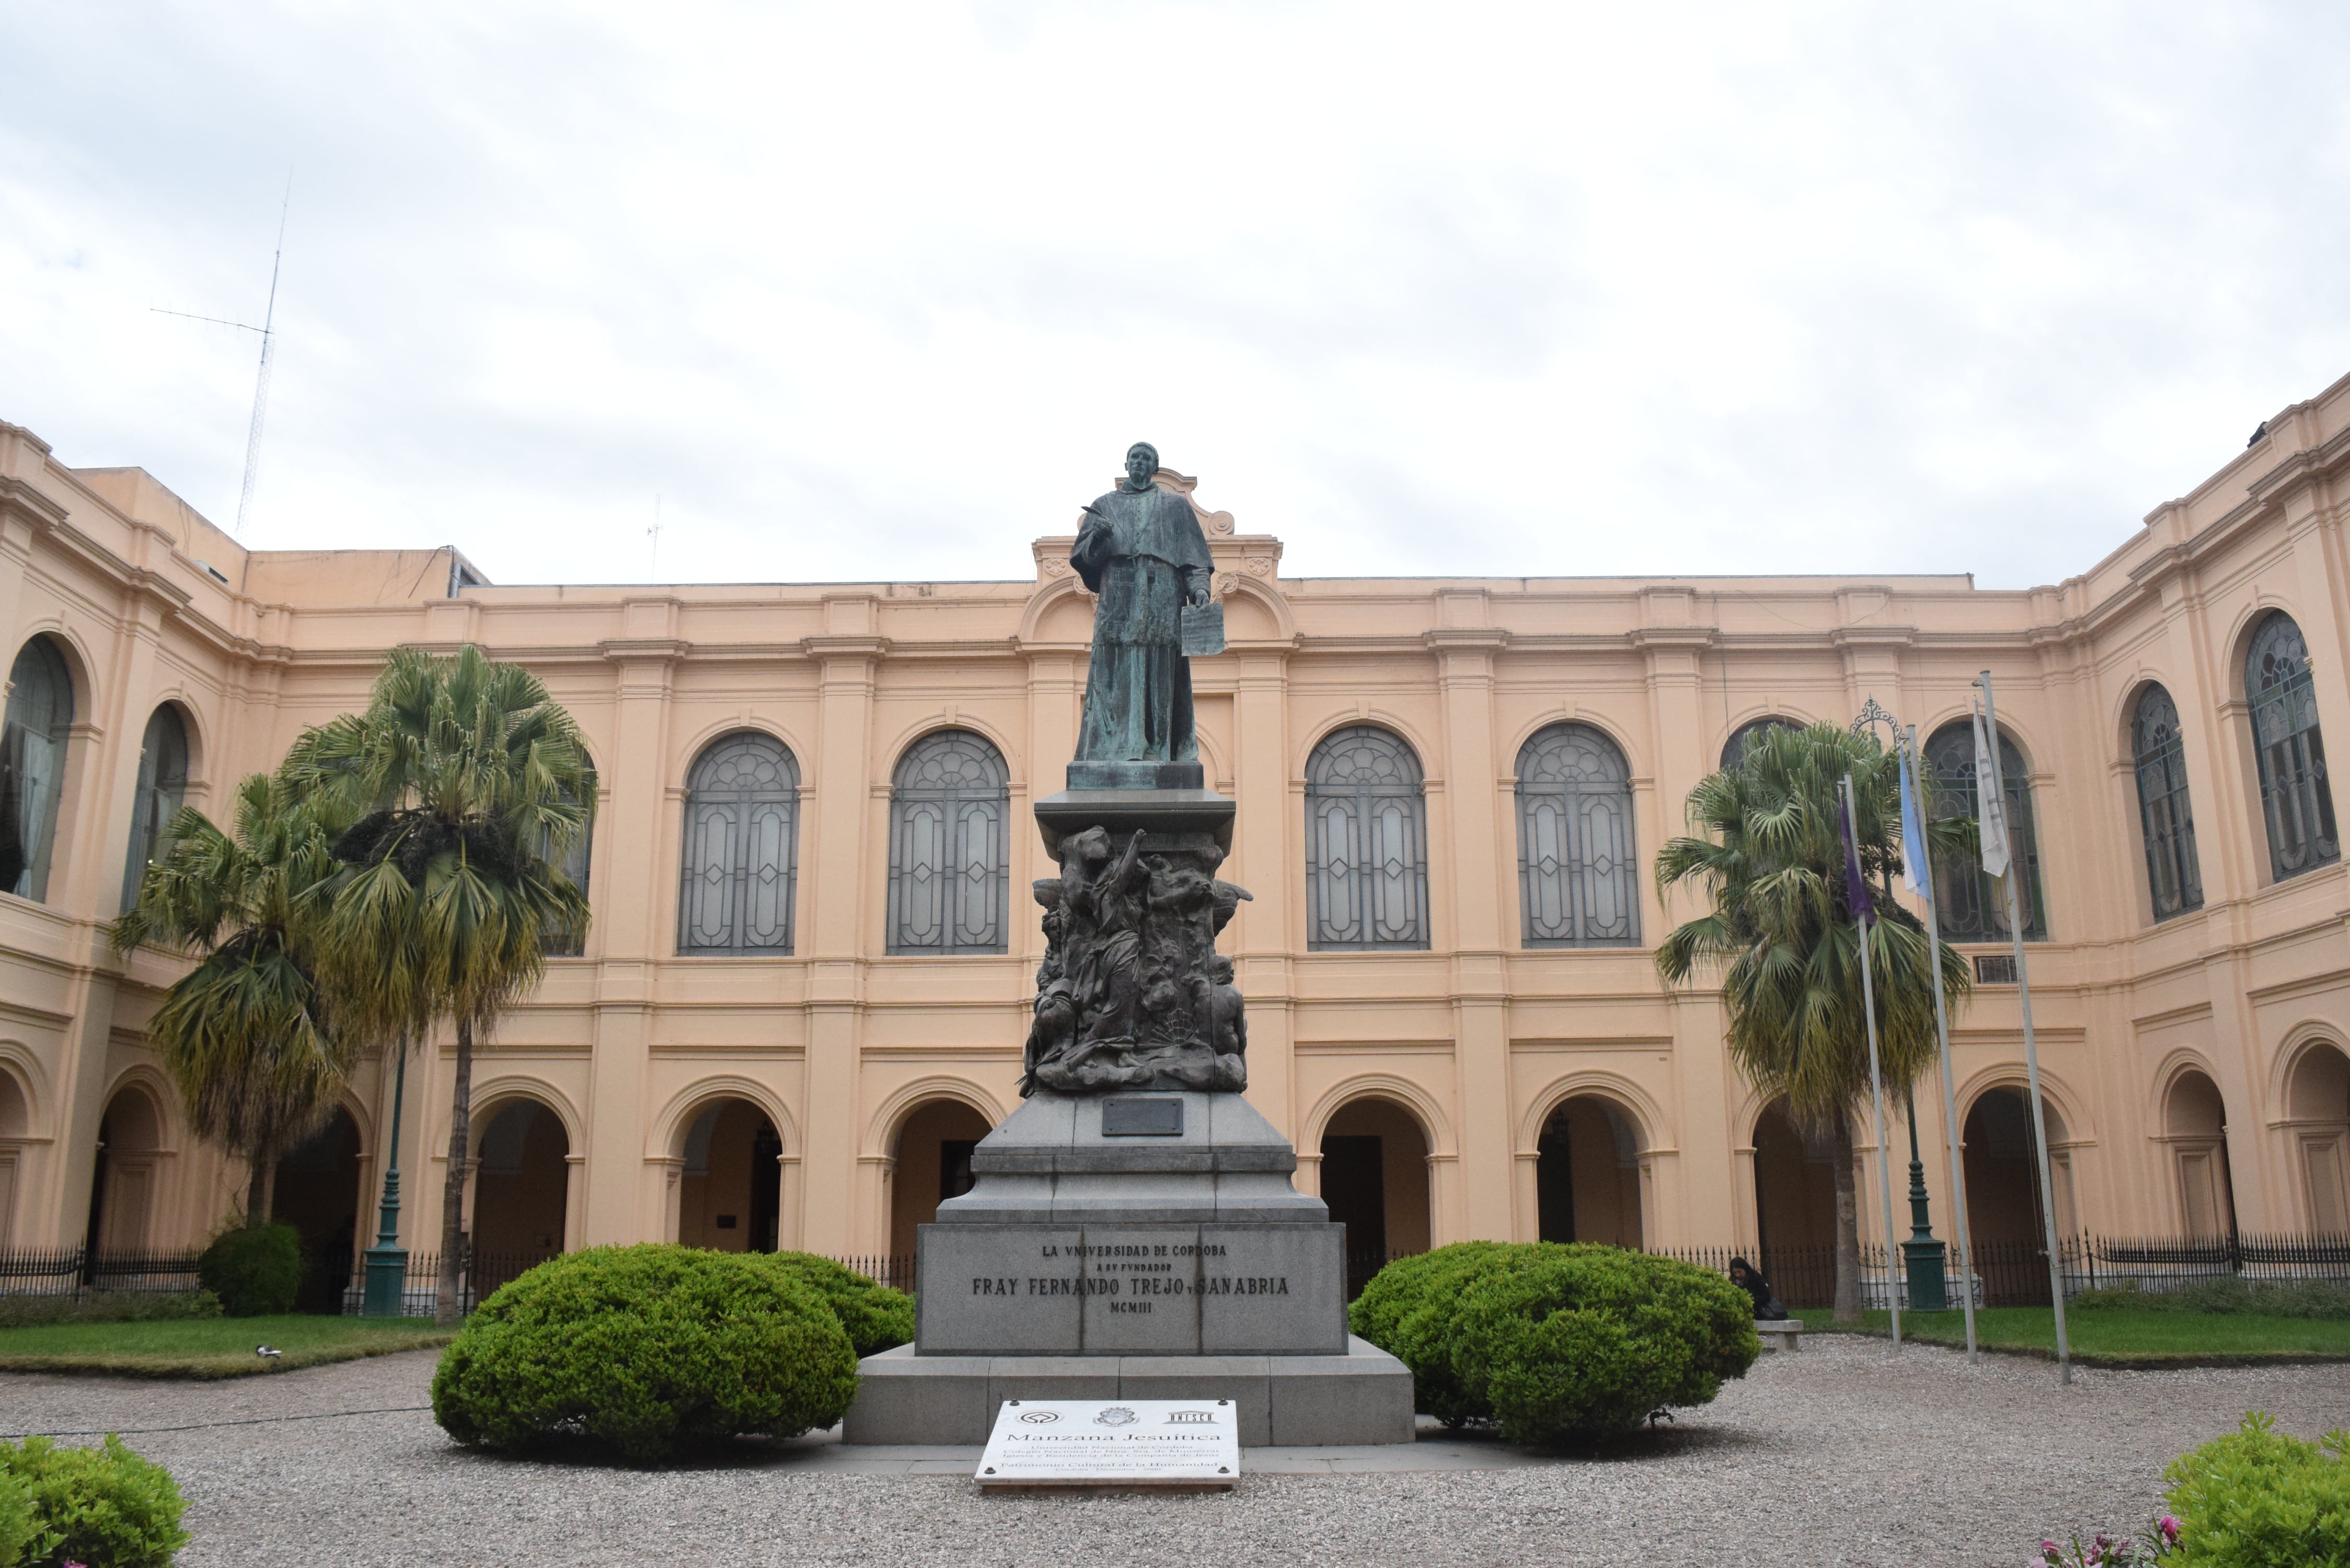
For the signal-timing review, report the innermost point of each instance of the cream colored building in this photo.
(808, 977)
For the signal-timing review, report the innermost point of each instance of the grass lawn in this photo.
(209, 1346)
(2120, 1336)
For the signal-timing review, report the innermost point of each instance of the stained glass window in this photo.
(1366, 843)
(2165, 820)
(741, 848)
(948, 809)
(2296, 802)
(1577, 875)
(1973, 908)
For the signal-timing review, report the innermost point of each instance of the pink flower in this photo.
(2170, 1529)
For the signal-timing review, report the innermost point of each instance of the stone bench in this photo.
(1781, 1334)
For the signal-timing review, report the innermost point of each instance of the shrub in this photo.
(2267, 1298)
(649, 1349)
(106, 1306)
(256, 1270)
(874, 1317)
(1407, 1311)
(19, 1532)
(105, 1506)
(2258, 1497)
(1556, 1343)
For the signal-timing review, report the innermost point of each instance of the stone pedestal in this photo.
(1132, 1230)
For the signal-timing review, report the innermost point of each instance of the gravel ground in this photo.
(1835, 1454)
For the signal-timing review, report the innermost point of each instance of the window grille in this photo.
(1733, 749)
(32, 766)
(1994, 969)
(162, 786)
(2165, 820)
(1972, 906)
(1577, 875)
(741, 848)
(1366, 843)
(949, 808)
(2296, 801)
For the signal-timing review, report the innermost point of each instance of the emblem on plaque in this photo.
(1039, 1418)
(1117, 1416)
(1191, 1417)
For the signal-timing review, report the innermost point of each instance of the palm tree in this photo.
(1768, 852)
(245, 1034)
(469, 783)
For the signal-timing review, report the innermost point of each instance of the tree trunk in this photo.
(1848, 1205)
(268, 1183)
(257, 1188)
(445, 1311)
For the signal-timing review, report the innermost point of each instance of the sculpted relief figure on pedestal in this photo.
(1132, 993)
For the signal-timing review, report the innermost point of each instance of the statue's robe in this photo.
(1140, 550)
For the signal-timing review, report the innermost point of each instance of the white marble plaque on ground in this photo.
(1191, 1443)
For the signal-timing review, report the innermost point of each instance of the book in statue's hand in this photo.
(1203, 629)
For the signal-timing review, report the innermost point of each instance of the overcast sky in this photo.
(884, 291)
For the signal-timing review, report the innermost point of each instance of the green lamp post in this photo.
(1921, 1253)
(387, 1261)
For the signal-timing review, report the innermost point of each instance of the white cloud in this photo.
(883, 292)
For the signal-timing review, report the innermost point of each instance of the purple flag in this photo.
(1856, 886)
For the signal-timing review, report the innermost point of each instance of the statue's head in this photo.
(1222, 971)
(1142, 462)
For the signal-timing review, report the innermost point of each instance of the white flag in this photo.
(1992, 810)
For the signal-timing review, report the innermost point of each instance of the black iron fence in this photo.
(69, 1271)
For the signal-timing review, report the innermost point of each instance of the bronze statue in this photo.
(1141, 550)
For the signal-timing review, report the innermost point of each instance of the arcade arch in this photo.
(1590, 1181)
(125, 1189)
(1794, 1187)
(16, 1128)
(730, 1186)
(929, 1163)
(1375, 1175)
(2195, 1127)
(2318, 1113)
(316, 1192)
(522, 1180)
(2003, 1175)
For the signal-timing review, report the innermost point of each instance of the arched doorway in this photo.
(16, 1130)
(1588, 1175)
(930, 1163)
(522, 1179)
(123, 1194)
(730, 1192)
(2318, 1104)
(2004, 1217)
(1375, 1180)
(2195, 1125)
(1795, 1207)
(318, 1192)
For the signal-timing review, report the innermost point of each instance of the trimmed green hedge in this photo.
(651, 1349)
(2259, 1498)
(1556, 1344)
(874, 1317)
(256, 1270)
(105, 1506)
(106, 1306)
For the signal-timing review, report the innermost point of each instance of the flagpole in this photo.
(1876, 1076)
(1915, 766)
(2030, 1047)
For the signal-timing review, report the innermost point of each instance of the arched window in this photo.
(2164, 818)
(2295, 800)
(1733, 749)
(1366, 843)
(949, 806)
(1576, 872)
(162, 786)
(568, 943)
(32, 766)
(741, 848)
(1972, 906)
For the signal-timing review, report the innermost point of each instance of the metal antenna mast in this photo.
(268, 341)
